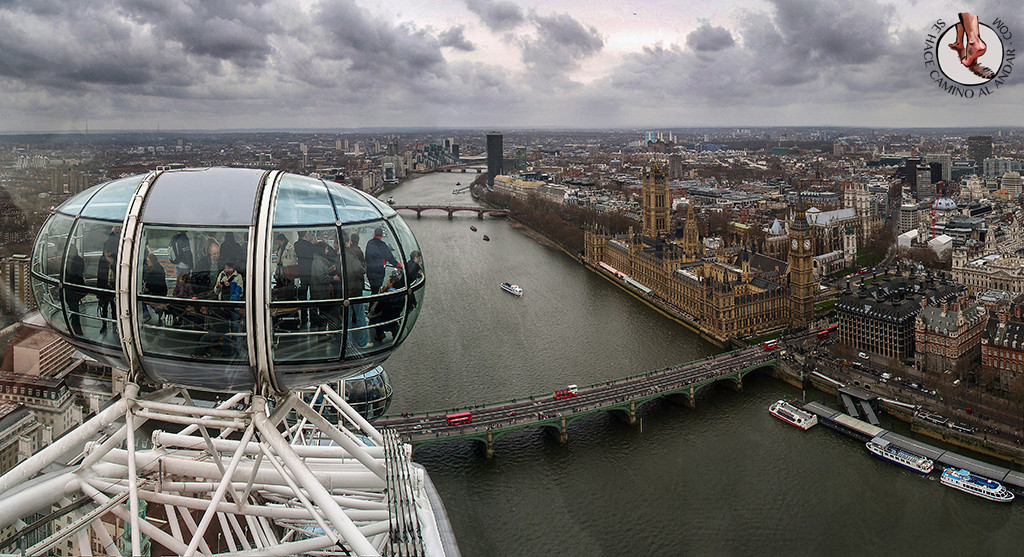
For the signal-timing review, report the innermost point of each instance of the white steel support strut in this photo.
(222, 480)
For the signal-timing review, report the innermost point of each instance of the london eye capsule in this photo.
(226, 278)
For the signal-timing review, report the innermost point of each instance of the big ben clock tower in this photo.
(801, 270)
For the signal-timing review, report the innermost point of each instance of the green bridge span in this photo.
(621, 397)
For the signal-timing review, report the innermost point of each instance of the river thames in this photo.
(724, 478)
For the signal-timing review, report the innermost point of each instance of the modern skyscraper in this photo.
(494, 157)
(520, 157)
(944, 159)
(911, 172)
(979, 148)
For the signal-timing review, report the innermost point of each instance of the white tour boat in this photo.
(512, 288)
(976, 485)
(883, 449)
(793, 415)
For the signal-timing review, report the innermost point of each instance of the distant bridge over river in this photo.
(620, 396)
(452, 209)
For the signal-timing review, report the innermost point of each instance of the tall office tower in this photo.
(455, 151)
(1011, 182)
(925, 187)
(945, 160)
(520, 157)
(675, 166)
(15, 292)
(494, 157)
(936, 172)
(911, 172)
(979, 148)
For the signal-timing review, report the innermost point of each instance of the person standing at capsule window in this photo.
(229, 288)
(74, 273)
(304, 252)
(106, 279)
(355, 273)
(378, 254)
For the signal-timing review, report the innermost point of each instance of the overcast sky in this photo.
(252, 64)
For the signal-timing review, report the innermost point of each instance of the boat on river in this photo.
(473, 228)
(885, 450)
(793, 415)
(512, 288)
(487, 238)
(967, 482)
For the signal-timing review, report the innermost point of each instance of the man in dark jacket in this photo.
(378, 254)
(74, 273)
(355, 273)
(304, 252)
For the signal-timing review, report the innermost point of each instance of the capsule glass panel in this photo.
(111, 201)
(350, 205)
(98, 243)
(74, 205)
(48, 255)
(207, 196)
(306, 294)
(302, 201)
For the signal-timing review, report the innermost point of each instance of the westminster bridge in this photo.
(452, 209)
(620, 396)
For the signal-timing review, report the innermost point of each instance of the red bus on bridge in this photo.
(460, 418)
(567, 392)
(771, 344)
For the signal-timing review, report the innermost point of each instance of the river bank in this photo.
(979, 443)
(651, 301)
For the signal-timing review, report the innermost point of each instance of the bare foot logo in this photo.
(972, 55)
(969, 58)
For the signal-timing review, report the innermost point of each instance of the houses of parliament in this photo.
(729, 295)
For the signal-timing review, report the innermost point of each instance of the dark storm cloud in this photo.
(835, 31)
(497, 15)
(709, 39)
(232, 31)
(453, 37)
(369, 45)
(77, 47)
(560, 44)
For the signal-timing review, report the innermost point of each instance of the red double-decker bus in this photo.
(460, 418)
(771, 344)
(826, 332)
(568, 392)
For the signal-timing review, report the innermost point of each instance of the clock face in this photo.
(807, 244)
(796, 243)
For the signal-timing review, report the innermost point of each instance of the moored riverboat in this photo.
(976, 485)
(887, 451)
(793, 415)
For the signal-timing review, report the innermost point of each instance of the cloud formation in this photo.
(339, 63)
(558, 46)
(709, 39)
(453, 37)
(497, 15)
